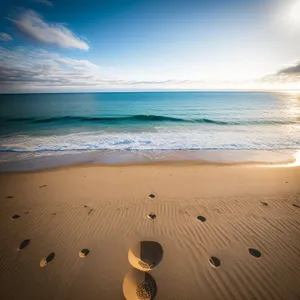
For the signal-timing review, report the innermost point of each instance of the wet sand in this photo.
(34, 161)
(163, 231)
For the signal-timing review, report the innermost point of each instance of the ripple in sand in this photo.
(254, 252)
(24, 244)
(201, 218)
(15, 217)
(145, 255)
(84, 252)
(139, 285)
(214, 261)
(45, 261)
(151, 216)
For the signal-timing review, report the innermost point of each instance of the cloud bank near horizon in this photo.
(291, 70)
(37, 67)
(30, 69)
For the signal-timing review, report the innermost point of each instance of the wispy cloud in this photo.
(4, 37)
(34, 26)
(46, 2)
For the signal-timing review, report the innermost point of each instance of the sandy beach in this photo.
(205, 232)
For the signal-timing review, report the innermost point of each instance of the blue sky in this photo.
(56, 45)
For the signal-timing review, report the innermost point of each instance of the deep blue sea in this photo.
(149, 121)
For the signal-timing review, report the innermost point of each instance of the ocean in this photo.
(37, 125)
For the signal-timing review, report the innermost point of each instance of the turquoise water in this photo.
(149, 121)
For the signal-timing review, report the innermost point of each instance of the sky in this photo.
(120, 45)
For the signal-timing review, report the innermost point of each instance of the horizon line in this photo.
(161, 91)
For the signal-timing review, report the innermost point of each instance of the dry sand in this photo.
(92, 232)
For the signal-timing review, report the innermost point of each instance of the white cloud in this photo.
(41, 68)
(46, 2)
(4, 37)
(34, 26)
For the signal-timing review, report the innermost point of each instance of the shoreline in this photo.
(166, 164)
(25, 162)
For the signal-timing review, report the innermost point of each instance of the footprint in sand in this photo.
(151, 216)
(84, 252)
(151, 196)
(45, 261)
(214, 261)
(264, 203)
(9, 197)
(42, 186)
(24, 244)
(145, 255)
(254, 252)
(91, 210)
(296, 205)
(15, 217)
(201, 218)
(139, 285)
